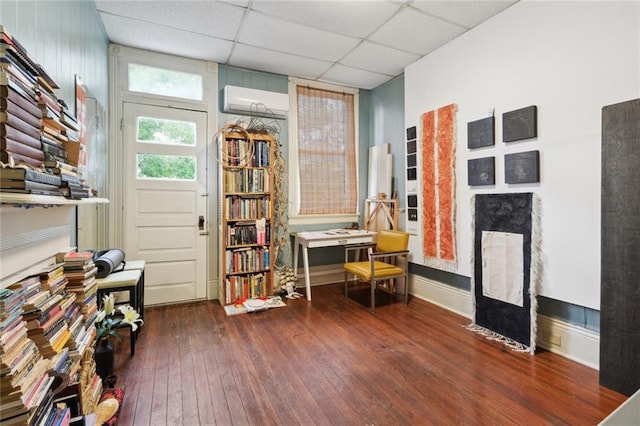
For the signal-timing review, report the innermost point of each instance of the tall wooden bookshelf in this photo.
(246, 185)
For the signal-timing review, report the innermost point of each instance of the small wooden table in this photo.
(329, 238)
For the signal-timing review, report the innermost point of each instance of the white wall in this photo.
(570, 59)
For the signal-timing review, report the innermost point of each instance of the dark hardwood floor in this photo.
(330, 362)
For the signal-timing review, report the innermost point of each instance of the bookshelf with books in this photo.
(37, 131)
(246, 180)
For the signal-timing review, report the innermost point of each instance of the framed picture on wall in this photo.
(522, 167)
(481, 133)
(520, 124)
(481, 171)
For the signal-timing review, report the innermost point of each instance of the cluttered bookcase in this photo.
(246, 188)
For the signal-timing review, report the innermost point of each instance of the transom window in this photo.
(165, 82)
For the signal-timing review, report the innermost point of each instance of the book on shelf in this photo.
(24, 381)
(54, 164)
(19, 118)
(19, 420)
(10, 302)
(13, 147)
(20, 54)
(15, 122)
(10, 320)
(56, 285)
(19, 358)
(76, 275)
(13, 67)
(14, 159)
(28, 184)
(15, 102)
(39, 415)
(33, 192)
(53, 152)
(31, 139)
(34, 300)
(10, 80)
(12, 337)
(47, 321)
(25, 173)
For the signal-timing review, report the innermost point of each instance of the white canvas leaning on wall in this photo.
(380, 171)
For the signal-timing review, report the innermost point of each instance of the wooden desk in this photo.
(329, 238)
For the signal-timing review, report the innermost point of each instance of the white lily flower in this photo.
(108, 304)
(131, 317)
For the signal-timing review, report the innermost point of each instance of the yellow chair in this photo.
(387, 261)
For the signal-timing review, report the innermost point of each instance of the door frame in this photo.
(119, 59)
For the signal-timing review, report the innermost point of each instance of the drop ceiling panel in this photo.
(416, 32)
(354, 77)
(142, 35)
(360, 43)
(352, 18)
(199, 17)
(277, 62)
(261, 30)
(381, 59)
(466, 13)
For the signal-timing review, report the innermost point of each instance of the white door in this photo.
(165, 200)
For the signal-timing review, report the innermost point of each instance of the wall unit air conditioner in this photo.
(261, 103)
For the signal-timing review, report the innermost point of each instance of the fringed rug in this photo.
(505, 268)
(438, 188)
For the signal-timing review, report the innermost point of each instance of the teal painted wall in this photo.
(387, 126)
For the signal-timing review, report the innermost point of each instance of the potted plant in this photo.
(107, 322)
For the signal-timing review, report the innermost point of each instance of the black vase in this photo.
(104, 358)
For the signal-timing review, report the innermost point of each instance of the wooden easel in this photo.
(381, 213)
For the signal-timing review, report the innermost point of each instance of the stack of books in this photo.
(20, 117)
(21, 179)
(24, 382)
(36, 129)
(81, 273)
(46, 323)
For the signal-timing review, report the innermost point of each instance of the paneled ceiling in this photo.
(361, 43)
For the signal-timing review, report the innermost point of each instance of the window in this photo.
(163, 131)
(323, 153)
(165, 82)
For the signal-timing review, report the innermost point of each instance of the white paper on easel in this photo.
(380, 171)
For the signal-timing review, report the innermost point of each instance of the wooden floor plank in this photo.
(330, 361)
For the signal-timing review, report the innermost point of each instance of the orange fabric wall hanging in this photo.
(438, 187)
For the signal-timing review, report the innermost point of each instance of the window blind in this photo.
(326, 151)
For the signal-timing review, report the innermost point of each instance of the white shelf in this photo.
(45, 200)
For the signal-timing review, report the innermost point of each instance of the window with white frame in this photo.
(323, 172)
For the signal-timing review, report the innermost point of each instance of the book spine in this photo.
(17, 147)
(12, 100)
(15, 122)
(36, 176)
(20, 136)
(15, 159)
(13, 109)
(9, 80)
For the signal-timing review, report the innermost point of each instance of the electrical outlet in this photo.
(555, 339)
